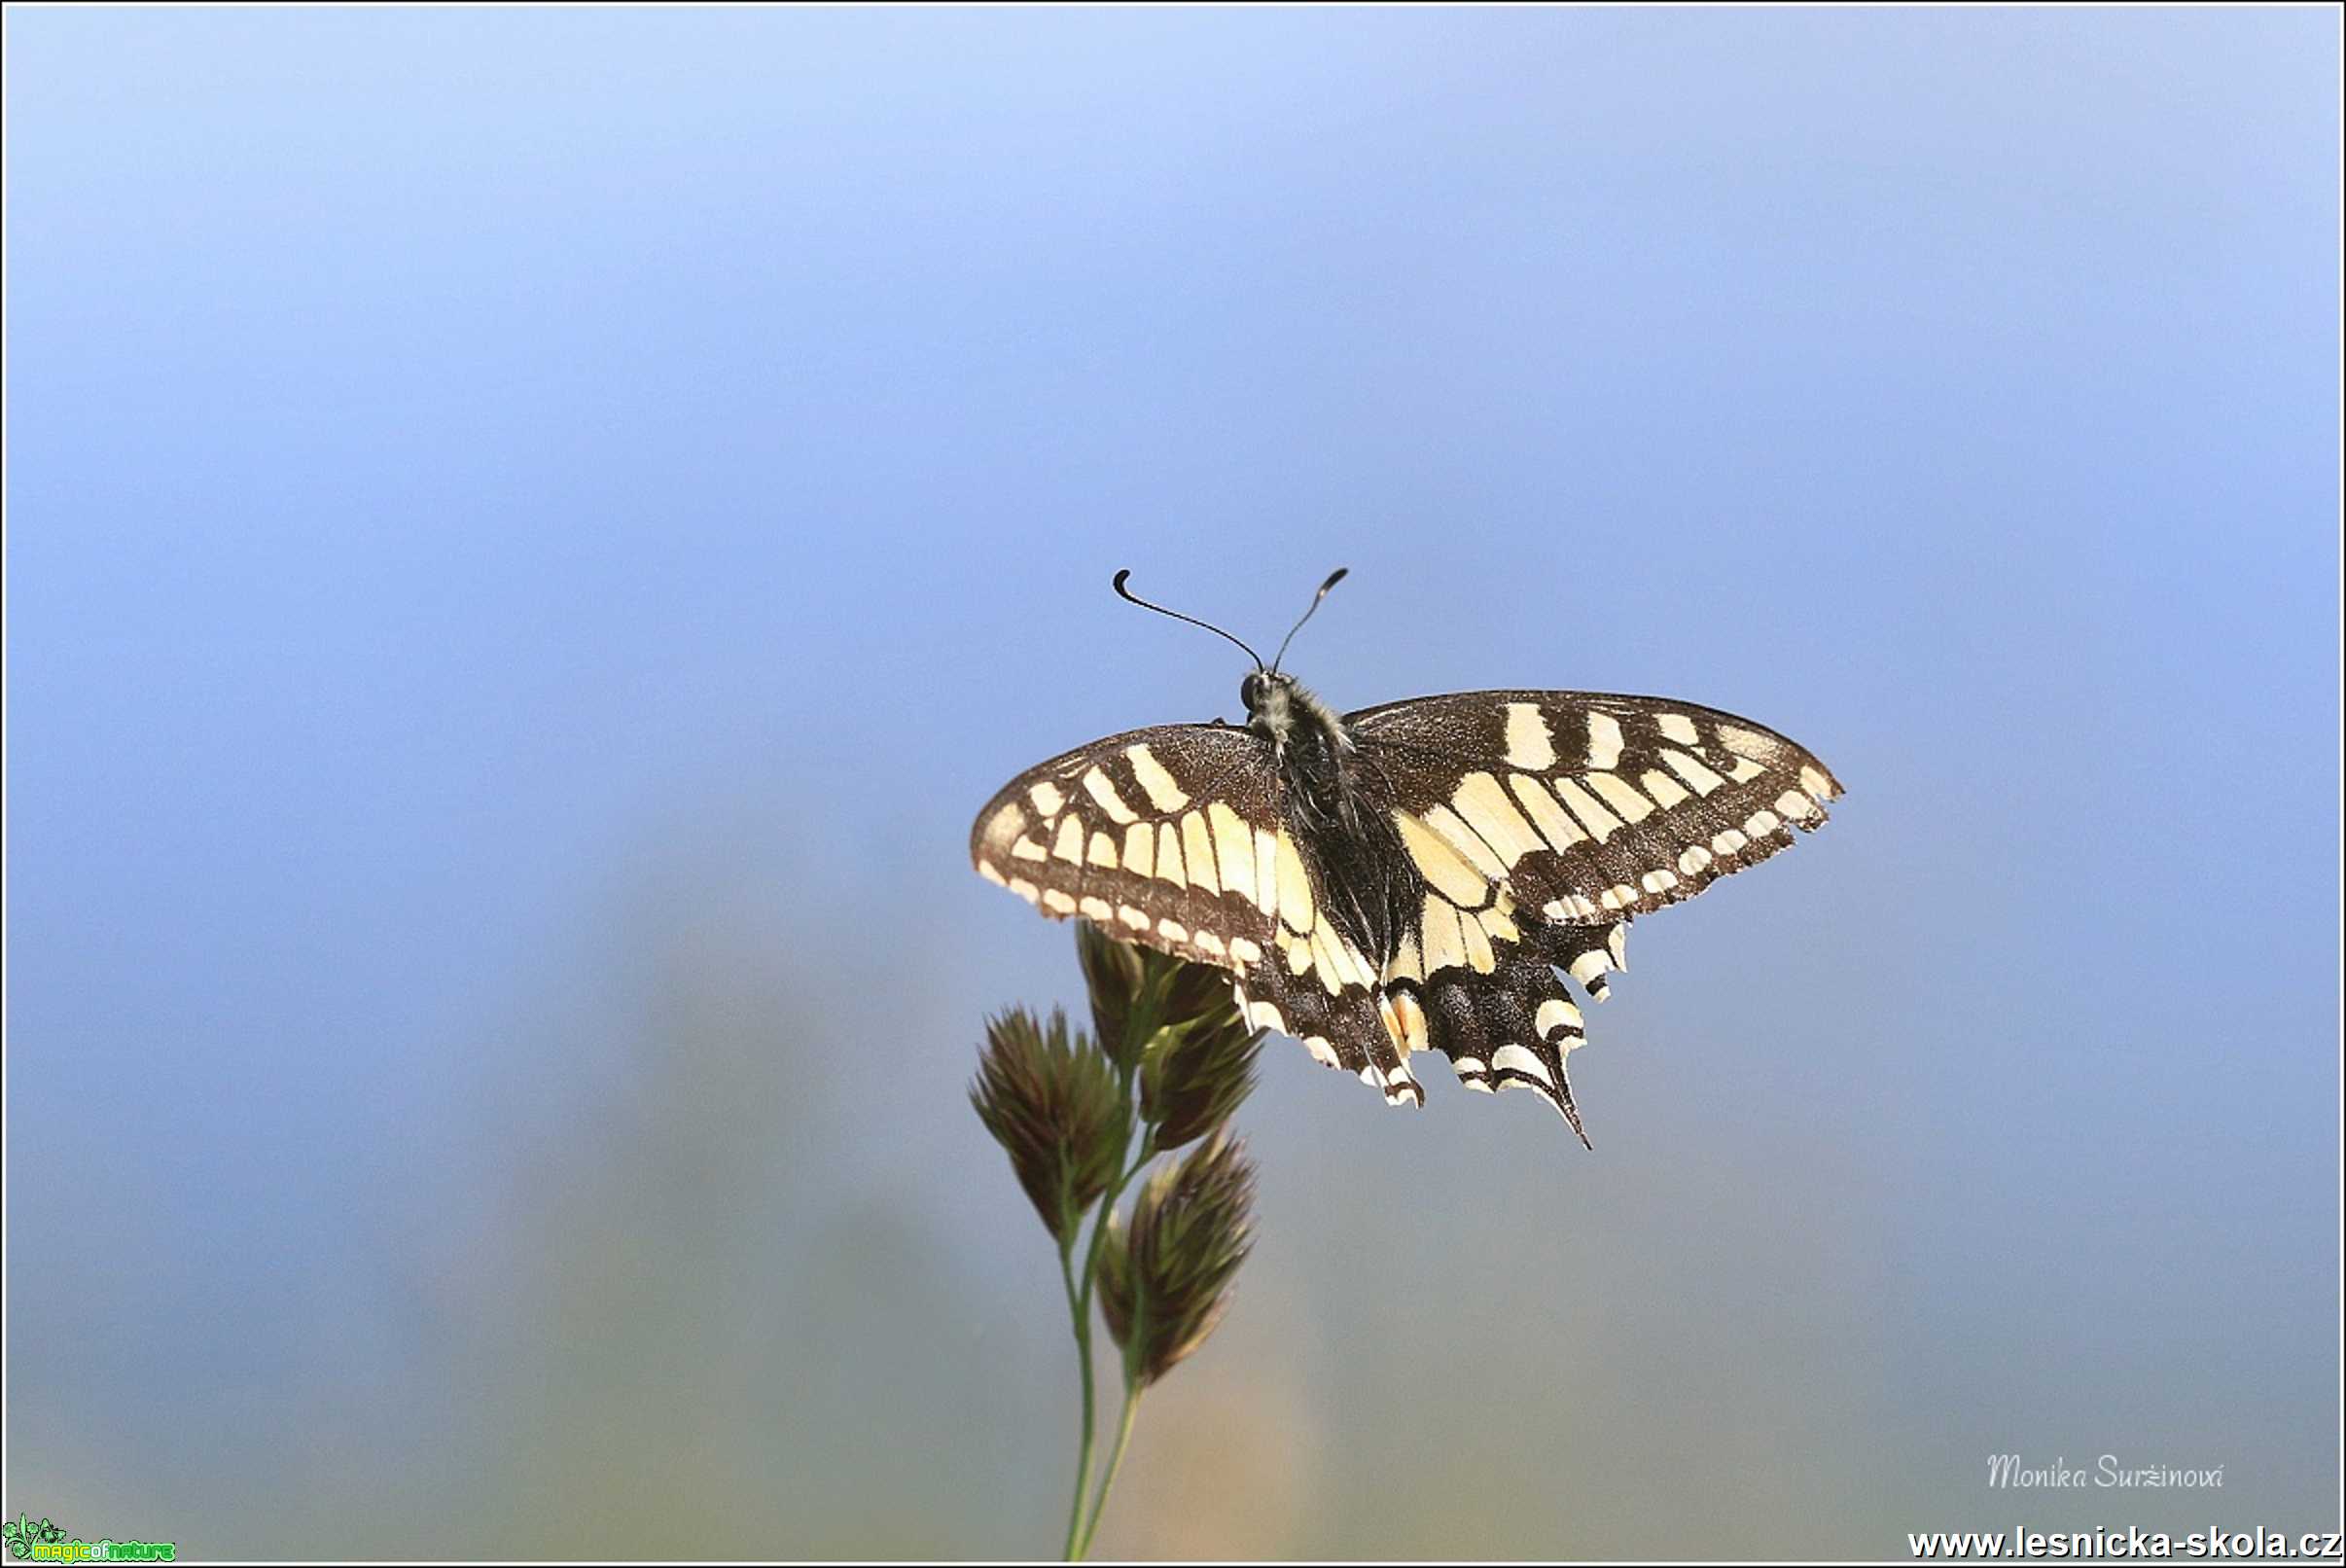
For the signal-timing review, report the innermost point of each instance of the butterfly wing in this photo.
(1592, 807)
(1175, 838)
(1542, 822)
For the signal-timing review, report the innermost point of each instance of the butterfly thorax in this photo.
(1339, 808)
(1284, 712)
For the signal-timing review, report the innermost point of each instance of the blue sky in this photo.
(531, 534)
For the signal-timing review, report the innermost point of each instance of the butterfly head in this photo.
(1281, 709)
(1270, 699)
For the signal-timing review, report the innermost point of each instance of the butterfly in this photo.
(1410, 876)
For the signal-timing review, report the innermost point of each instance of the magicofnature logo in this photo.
(44, 1541)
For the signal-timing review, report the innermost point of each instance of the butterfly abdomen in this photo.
(1339, 808)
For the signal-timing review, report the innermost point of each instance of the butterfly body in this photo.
(1410, 876)
(1339, 808)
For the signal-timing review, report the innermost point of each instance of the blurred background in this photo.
(531, 535)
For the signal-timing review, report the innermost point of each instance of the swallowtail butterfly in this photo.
(1408, 877)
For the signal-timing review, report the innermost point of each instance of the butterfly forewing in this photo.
(1174, 837)
(1152, 834)
(1590, 807)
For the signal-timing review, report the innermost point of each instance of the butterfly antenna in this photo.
(1130, 597)
(1333, 578)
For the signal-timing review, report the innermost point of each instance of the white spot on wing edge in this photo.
(1571, 908)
